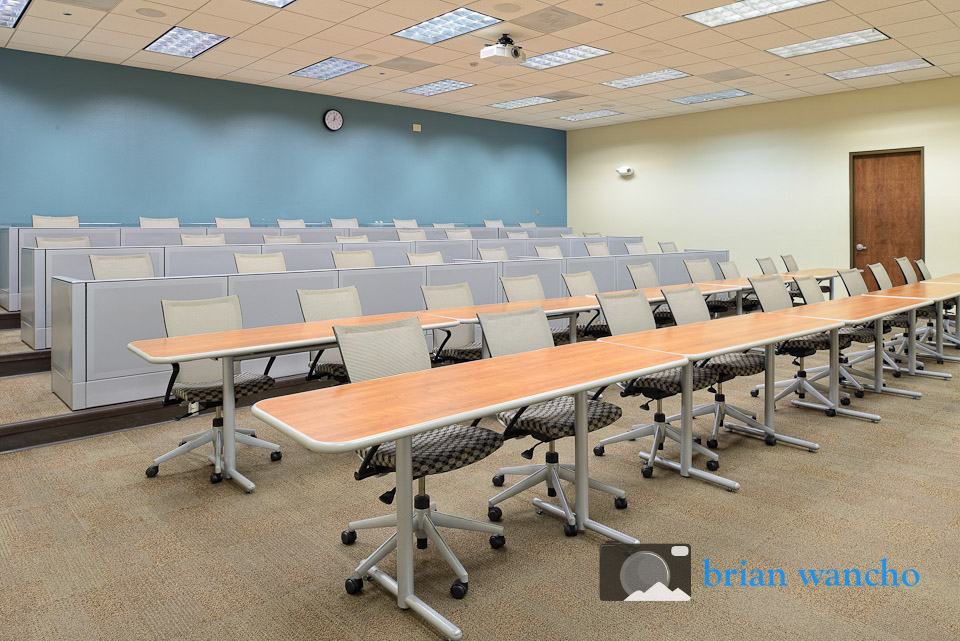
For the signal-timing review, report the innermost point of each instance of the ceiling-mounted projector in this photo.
(504, 52)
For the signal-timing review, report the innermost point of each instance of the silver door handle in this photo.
(861, 247)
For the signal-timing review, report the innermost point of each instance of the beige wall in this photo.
(767, 179)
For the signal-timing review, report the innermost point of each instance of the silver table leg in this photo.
(912, 347)
(573, 327)
(685, 467)
(229, 429)
(832, 407)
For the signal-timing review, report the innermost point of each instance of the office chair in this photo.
(53, 241)
(233, 223)
(130, 266)
(353, 239)
(260, 263)
(55, 221)
(628, 313)
(597, 249)
(853, 281)
(493, 253)
(325, 305)
(644, 276)
(729, 270)
(549, 251)
(924, 270)
(408, 223)
(524, 288)
(571, 236)
(391, 349)
(769, 268)
(344, 223)
(584, 284)
(493, 223)
(458, 343)
(159, 222)
(790, 263)
(444, 225)
(926, 333)
(459, 234)
(592, 234)
(429, 258)
(949, 322)
(293, 239)
(518, 235)
(348, 259)
(411, 234)
(200, 382)
(701, 271)
(526, 224)
(522, 331)
(668, 247)
(635, 248)
(290, 223)
(202, 239)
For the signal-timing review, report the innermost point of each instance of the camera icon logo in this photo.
(645, 572)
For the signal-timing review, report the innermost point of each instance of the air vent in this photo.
(407, 64)
(726, 75)
(550, 19)
(563, 95)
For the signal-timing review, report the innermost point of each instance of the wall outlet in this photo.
(416, 128)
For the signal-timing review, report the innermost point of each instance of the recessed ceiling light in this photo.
(590, 115)
(449, 25)
(646, 78)
(10, 12)
(744, 10)
(186, 43)
(279, 4)
(832, 42)
(151, 13)
(890, 67)
(329, 68)
(441, 86)
(564, 57)
(707, 97)
(522, 102)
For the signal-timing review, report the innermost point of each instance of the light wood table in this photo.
(820, 273)
(655, 294)
(938, 293)
(355, 416)
(257, 342)
(951, 279)
(699, 341)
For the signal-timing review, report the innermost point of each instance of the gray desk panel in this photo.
(483, 279)
(374, 234)
(617, 244)
(155, 236)
(450, 249)
(549, 232)
(671, 269)
(624, 281)
(548, 269)
(562, 243)
(435, 233)
(309, 256)
(315, 234)
(387, 289)
(209, 259)
(244, 236)
(8, 264)
(514, 247)
(485, 233)
(385, 254)
(603, 268)
(68, 345)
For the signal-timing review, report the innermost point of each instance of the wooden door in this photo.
(886, 210)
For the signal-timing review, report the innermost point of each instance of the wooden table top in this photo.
(816, 272)
(551, 306)
(655, 294)
(742, 283)
(856, 309)
(725, 335)
(923, 289)
(952, 279)
(258, 340)
(348, 417)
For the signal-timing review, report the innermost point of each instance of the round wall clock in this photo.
(333, 120)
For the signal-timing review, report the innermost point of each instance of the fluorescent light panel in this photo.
(826, 44)
(449, 25)
(589, 115)
(890, 67)
(185, 43)
(441, 86)
(564, 57)
(522, 102)
(646, 79)
(329, 68)
(279, 4)
(737, 11)
(10, 11)
(707, 97)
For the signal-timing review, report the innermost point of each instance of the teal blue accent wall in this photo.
(111, 143)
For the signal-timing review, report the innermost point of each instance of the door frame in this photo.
(923, 197)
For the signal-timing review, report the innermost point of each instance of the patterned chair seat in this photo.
(470, 352)
(336, 371)
(561, 335)
(441, 450)
(720, 305)
(596, 328)
(556, 418)
(730, 366)
(245, 384)
(901, 321)
(670, 382)
(663, 316)
(860, 334)
(807, 345)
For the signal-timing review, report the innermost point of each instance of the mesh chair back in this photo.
(924, 270)
(232, 222)
(259, 263)
(515, 332)
(384, 349)
(290, 223)
(429, 258)
(790, 263)
(159, 222)
(56, 221)
(767, 266)
(519, 235)
(700, 270)
(853, 281)
(444, 225)
(771, 293)
(203, 239)
(132, 266)
(668, 246)
(581, 284)
(549, 251)
(348, 259)
(809, 289)
(592, 234)
(73, 241)
(186, 317)
(329, 304)
(570, 236)
(493, 253)
(344, 222)
(459, 234)
(687, 305)
(729, 269)
(493, 223)
(443, 296)
(597, 249)
(906, 269)
(406, 223)
(627, 312)
(292, 239)
(411, 234)
(644, 275)
(527, 224)
(521, 288)
(636, 248)
(353, 239)
(880, 274)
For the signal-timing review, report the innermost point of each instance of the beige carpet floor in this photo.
(10, 342)
(92, 549)
(27, 397)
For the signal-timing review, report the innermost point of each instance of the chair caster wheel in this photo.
(569, 529)
(216, 477)
(353, 586)
(422, 544)
(458, 590)
(348, 537)
(770, 440)
(659, 446)
(497, 541)
(598, 450)
(647, 471)
(713, 466)
(551, 491)
(844, 401)
(939, 361)
(896, 374)
(494, 513)
(697, 440)
(152, 471)
(920, 367)
(620, 502)
(712, 443)
(754, 393)
(182, 443)
(831, 413)
(498, 479)
(276, 456)
(858, 393)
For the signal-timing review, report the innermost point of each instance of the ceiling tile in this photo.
(296, 23)
(268, 36)
(638, 17)
(332, 10)
(213, 24)
(55, 11)
(52, 27)
(240, 10)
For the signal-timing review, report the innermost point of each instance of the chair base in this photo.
(748, 424)
(801, 386)
(660, 429)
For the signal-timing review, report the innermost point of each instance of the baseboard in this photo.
(9, 320)
(31, 362)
